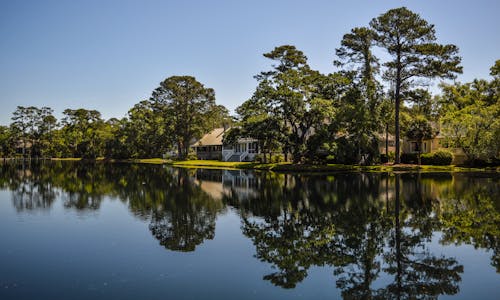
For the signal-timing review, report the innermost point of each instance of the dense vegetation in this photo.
(308, 116)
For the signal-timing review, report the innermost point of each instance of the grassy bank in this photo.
(302, 168)
(288, 167)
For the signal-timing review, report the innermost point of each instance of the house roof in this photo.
(213, 138)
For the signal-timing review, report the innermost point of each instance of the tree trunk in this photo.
(397, 103)
(419, 152)
(179, 149)
(398, 239)
(387, 141)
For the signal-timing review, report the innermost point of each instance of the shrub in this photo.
(277, 158)
(438, 158)
(409, 158)
(384, 158)
(191, 156)
(392, 156)
(259, 158)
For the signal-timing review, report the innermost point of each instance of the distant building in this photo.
(438, 142)
(210, 147)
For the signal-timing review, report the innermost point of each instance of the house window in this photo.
(252, 147)
(241, 147)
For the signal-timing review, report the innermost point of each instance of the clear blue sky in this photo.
(109, 55)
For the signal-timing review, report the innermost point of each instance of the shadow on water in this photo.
(364, 226)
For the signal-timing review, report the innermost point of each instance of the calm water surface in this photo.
(102, 231)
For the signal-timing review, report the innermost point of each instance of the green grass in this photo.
(212, 164)
(152, 161)
(285, 167)
(67, 159)
(289, 167)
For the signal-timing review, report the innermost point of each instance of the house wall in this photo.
(245, 150)
(430, 145)
(212, 152)
(436, 144)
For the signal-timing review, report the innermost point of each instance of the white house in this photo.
(210, 147)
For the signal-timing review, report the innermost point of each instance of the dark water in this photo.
(111, 231)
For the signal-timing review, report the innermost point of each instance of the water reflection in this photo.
(373, 230)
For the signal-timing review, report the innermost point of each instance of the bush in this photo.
(409, 158)
(277, 158)
(259, 158)
(191, 156)
(438, 158)
(385, 159)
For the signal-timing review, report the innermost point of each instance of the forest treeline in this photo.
(309, 116)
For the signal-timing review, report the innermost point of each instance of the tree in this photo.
(356, 48)
(471, 117)
(419, 130)
(186, 106)
(146, 133)
(422, 103)
(259, 123)
(31, 125)
(387, 116)
(6, 142)
(411, 42)
(82, 130)
(290, 93)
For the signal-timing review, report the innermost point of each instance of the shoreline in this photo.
(306, 168)
(289, 167)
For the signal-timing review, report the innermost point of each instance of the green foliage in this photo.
(188, 110)
(409, 158)
(422, 103)
(411, 42)
(277, 158)
(32, 129)
(232, 135)
(6, 142)
(419, 129)
(84, 132)
(356, 49)
(387, 158)
(438, 158)
(144, 134)
(287, 102)
(471, 118)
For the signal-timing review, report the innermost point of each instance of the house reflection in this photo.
(220, 184)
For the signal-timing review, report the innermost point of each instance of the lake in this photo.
(124, 231)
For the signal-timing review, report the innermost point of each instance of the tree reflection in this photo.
(348, 222)
(30, 184)
(365, 225)
(471, 214)
(181, 214)
(418, 274)
(374, 230)
(313, 226)
(187, 216)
